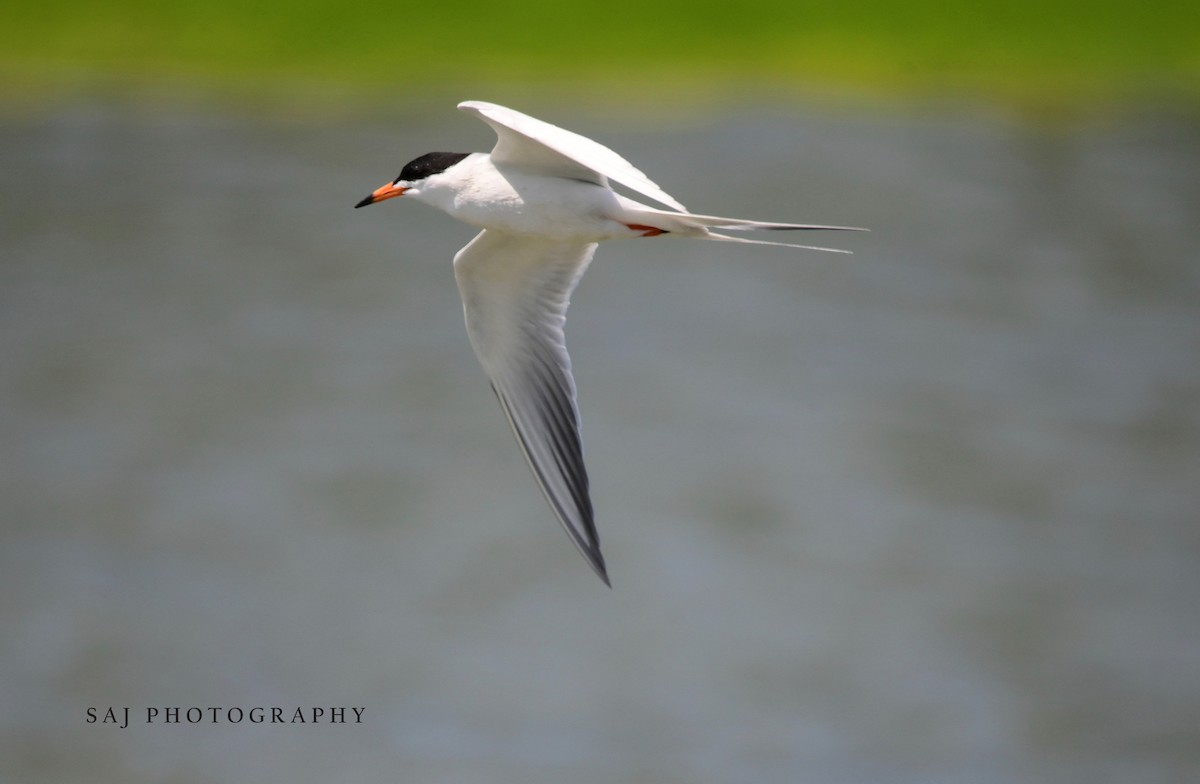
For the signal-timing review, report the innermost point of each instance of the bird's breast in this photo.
(520, 203)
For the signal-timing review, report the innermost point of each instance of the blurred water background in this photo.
(927, 513)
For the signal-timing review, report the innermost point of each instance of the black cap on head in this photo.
(429, 163)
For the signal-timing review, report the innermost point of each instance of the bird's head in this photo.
(411, 176)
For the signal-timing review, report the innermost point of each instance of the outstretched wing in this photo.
(526, 141)
(515, 292)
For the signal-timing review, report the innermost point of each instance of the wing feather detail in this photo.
(515, 292)
(527, 141)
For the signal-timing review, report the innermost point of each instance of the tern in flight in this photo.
(543, 200)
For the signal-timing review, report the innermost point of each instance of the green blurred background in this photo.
(1043, 54)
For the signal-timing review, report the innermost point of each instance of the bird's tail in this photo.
(700, 227)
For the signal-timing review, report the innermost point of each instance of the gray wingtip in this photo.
(596, 561)
(591, 553)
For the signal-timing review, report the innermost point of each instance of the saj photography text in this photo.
(121, 716)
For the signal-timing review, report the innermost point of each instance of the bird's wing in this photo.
(515, 292)
(526, 141)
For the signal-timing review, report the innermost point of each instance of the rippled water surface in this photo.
(923, 514)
